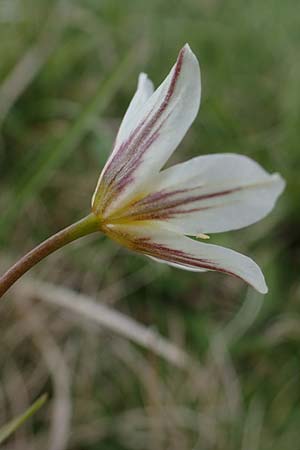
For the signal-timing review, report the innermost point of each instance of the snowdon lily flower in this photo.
(154, 211)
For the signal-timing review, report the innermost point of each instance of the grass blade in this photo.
(12, 426)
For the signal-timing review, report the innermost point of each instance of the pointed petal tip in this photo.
(187, 47)
(188, 51)
(142, 76)
(191, 63)
(257, 280)
(145, 83)
(280, 181)
(265, 290)
(262, 288)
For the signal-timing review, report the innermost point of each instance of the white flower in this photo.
(153, 210)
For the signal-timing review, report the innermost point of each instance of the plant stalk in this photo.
(87, 225)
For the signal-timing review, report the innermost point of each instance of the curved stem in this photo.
(89, 224)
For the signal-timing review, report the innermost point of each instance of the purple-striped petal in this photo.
(144, 91)
(147, 140)
(176, 249)
(208, 194)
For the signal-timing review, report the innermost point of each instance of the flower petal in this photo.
(178, 266)
(209, 194)
(174, 248)
(144, 91)
(145, 144)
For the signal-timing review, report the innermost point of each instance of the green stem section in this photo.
(87, 225)
(12, 426)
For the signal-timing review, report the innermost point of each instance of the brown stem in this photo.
(89, 224)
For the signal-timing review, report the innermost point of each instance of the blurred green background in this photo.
(68, 70)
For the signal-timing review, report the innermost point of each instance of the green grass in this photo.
(55, 137)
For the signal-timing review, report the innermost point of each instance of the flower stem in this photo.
(87, 225)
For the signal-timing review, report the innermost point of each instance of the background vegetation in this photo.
(67, 72)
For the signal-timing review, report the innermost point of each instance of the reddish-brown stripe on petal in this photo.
(162, 205)
(120, 170)
(148, 247)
